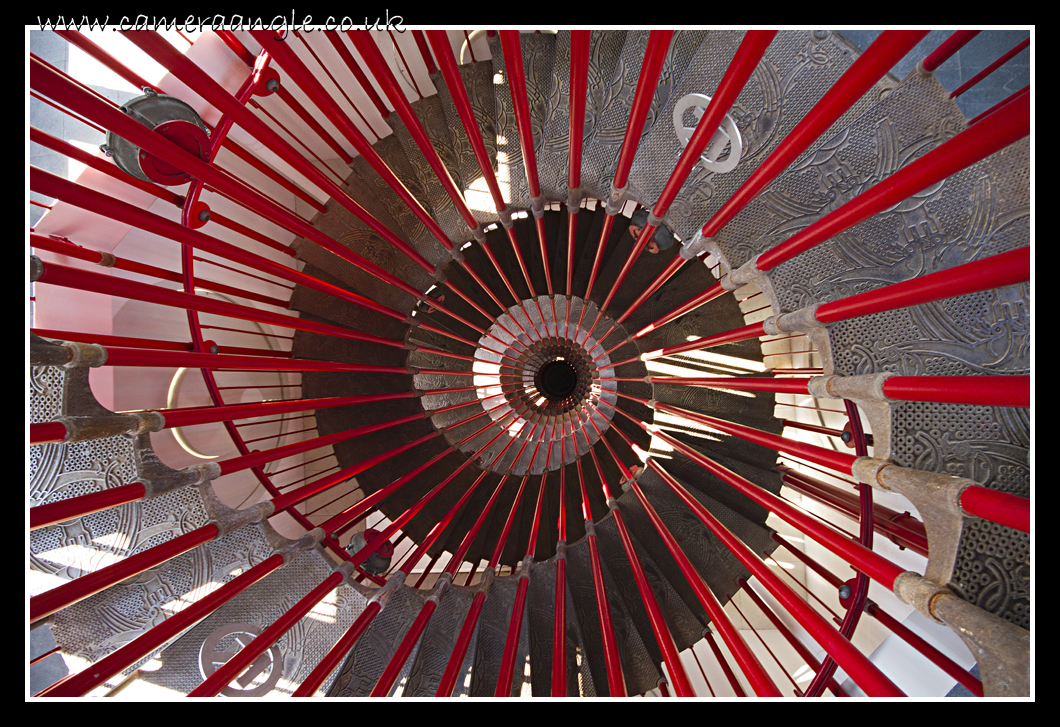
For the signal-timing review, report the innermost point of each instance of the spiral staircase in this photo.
(522, 417)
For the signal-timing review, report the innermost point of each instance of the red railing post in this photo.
(75, 507)
(749, 664)
(752, 48)
(946, 50)
(856, 664)
(737, 688)
(372, 56)
(902, 529)
(401, 654)
(513, 63)
(1002, 508)
(98, 673)
(213, 684)
(647, 83)
(615, 682)
(579, 72)
(655, 617)
(896, 627)
(559, 627)
(784, 631)
(1006, 268)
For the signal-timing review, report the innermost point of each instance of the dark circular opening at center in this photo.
(557, 380)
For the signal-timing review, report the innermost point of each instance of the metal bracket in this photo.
(746, 274)
(696, 246)
(292, 548)
(228, 519)
(157, 477)
(392, 584)
(537, 206)
(865, 386)
(867, 392)
(803, 320)
(616, 199)
(82, 415)
(440, 587)
(936, 496)
(43, 352)
(1001, 649)
(81, 355)
(574, 198)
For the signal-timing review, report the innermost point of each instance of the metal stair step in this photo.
(432, 194)
(492, 634)
(683, 624)
(478, 82)
(614, 100)
(361, 669)
(319, 306)
(718, 567)
(797, 69)
(368, 186)
(605, 47)
(538, 53)
(639, 670)
(436, 644)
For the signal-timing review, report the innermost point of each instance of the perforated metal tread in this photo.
(913, 118)
(978, 212)
(351, 277)
(538, 53)
(294, 655)
(682, 624)
(719, 568)
(369, 191)
(541, 608)
(362, 668)
(373, 193)
(993, 570)
(639, 671)
(321, 307)
(797, 69)
(436, 645)
(552, 154)
(492, 633)
(604, 141)
(433, 196)
(477, 78)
